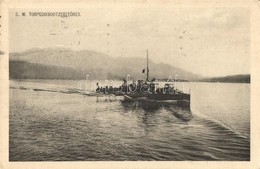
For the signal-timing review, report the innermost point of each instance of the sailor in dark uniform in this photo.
(98, 88)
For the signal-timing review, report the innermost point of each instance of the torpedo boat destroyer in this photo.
(148, 90)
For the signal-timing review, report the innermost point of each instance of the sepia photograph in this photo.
(118, 83)
(129, 84)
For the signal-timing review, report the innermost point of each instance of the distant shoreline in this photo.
(160, 80)
(229, 79)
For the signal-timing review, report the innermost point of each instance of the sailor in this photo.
(110, 89)
(132, 86)
(124, 85)
(152, 86)
(106, 90)
(98, 88)
(140, 83)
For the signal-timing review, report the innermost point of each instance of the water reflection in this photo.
(181, 113)
(147, 106)
(152, 107)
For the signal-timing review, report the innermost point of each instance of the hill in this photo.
(60, 63)
(26, 70)
(229, 79)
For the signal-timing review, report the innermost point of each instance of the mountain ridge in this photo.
(96, 64)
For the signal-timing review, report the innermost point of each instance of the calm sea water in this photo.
(51, 121)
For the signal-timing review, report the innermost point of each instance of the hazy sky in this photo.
(206, 41)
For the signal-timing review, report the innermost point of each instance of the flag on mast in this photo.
(143, 71)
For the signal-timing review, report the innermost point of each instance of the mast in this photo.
(147, 68)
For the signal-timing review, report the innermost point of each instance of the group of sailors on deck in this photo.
(142, 86)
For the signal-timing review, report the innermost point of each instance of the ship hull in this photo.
(158, 96)
(182, 99)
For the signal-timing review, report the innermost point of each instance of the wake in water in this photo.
(59, 90)
(219, 125)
